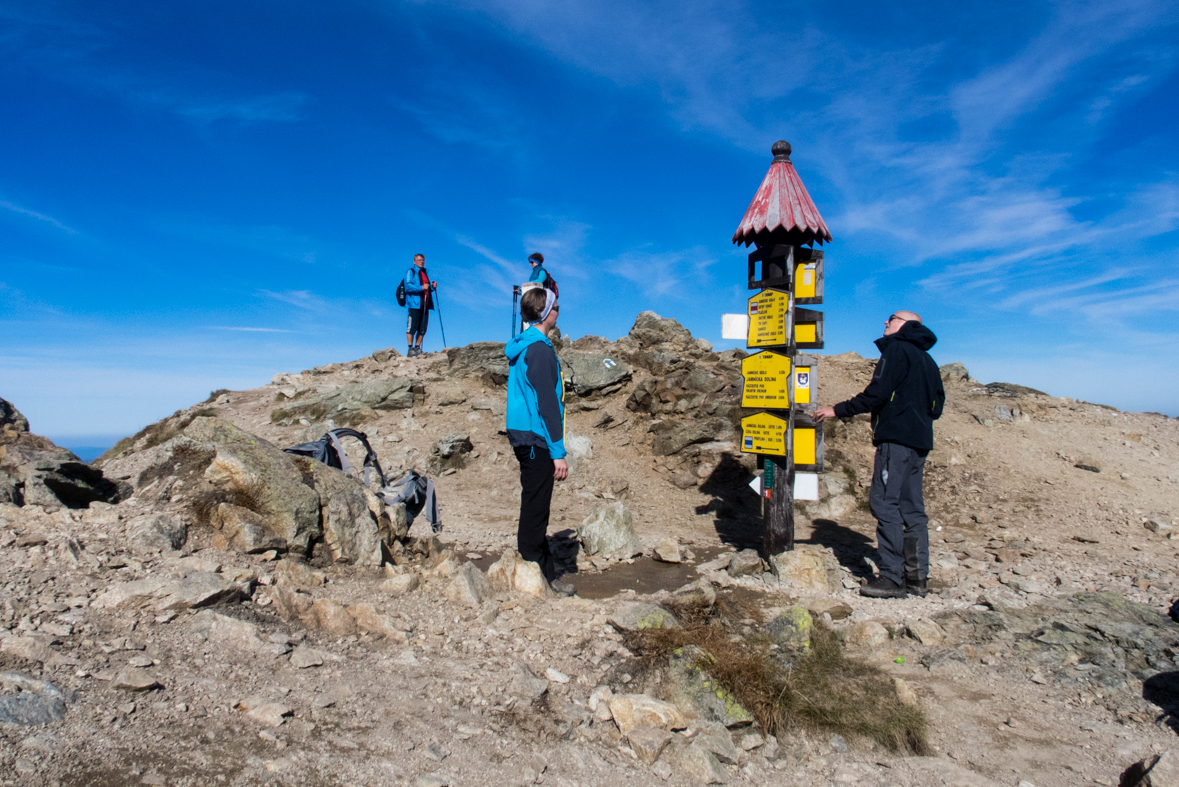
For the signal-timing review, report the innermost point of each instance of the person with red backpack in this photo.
(418, 291)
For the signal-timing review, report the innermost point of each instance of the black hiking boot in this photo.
(882, 587)
(916, 587)
(562, 588)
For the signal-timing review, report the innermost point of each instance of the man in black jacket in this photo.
(905, 396)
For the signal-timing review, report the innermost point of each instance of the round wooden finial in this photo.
(781, 150)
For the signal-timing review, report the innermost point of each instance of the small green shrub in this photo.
(213, 395)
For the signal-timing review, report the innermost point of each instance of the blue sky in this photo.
(199, 195)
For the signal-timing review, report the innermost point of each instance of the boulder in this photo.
(800, 569)
(926, 632)
(1162, 770)
(369, 619)
(668, 551)
(512, 573)
(609, 532)
(331, 615)
(691, 686)
(651, 330)
(792, 628)
(954, 373)
(744, 563)
(450, 452)
(27, 648)
(482, 358)
(634, 711)
(525, 685)
(156, 533)
(716, 738)
(250, 465)
(587, 372)
(53, 483)
(697, 763)
(197, 589)
(297, 575)
(635, 616)
(578, 449)
(350, 531)
(867, 634)
(36, 702)
(401, 584)
(648, 743)
(446, 395)
(393, 393)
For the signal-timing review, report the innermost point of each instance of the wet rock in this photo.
(156, 533)
(792, 628)
(512, 573)
(636, 616)
(468, 586)
(800, 569)
(26, 701)
(524, 684)
(668, 551)
(745, 563)
(866, 634)
(634, 711)
(609, 532)
(692, 687)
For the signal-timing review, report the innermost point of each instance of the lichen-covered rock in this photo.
(691, 686)
(792, 628)
(350, 531)
(636, 616)
(156, 533)
(587, 372)
(481, 358)
(246, 530)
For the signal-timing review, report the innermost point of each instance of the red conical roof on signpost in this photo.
(782, 210)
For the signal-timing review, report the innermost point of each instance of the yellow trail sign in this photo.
(763, 433)
(767, 380)
(767, 319)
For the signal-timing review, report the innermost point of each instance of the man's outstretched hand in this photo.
(823, 413)
(560, 469)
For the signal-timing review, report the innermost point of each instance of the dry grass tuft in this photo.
(251, 496)
(214, 394)
(821, 690)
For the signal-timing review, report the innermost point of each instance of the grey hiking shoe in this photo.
(917, 587)
(883, 587)
(562, 588)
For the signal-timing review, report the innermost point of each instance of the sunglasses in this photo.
(892, 317)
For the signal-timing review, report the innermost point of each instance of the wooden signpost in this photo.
(784, 224)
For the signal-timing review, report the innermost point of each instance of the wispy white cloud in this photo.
(304, 299)
(32, 214)
(663, 274)
(247, 329)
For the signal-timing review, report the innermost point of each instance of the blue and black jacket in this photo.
(539, 274)
(414, 289)
(906, 394)
(536, 394)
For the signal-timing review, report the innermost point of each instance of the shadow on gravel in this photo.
(849, 547)
(737, 508)
(1163, 690)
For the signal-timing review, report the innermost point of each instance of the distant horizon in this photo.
(207, 194)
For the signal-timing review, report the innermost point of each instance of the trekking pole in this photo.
(515, 296)
(438, 306)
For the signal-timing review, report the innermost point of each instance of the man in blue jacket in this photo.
(419, 302)
(536, 427)
(905, 396)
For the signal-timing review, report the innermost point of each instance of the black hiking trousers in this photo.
(536, 495)
(898, 503)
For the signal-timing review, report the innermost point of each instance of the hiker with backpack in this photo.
(416, 293)
(540, 275)
(536, 428)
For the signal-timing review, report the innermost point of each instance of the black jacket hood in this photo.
(912, 332)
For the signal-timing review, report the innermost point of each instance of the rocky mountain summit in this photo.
(198, 606)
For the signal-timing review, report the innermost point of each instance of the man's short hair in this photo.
(532, 304)
(423, 256)
(537, 256)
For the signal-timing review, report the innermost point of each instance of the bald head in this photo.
(897, 320)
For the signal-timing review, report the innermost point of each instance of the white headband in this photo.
(549, 300)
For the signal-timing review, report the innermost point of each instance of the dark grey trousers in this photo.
(898, 503)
